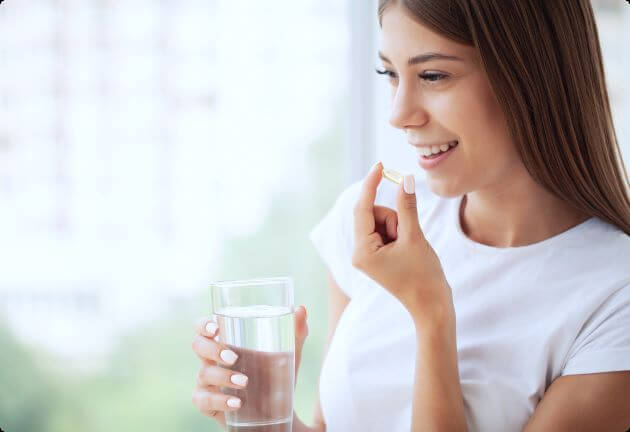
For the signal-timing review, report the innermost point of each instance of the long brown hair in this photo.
(544, 63)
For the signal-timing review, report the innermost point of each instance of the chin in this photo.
(445, 188)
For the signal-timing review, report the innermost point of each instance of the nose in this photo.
(407, 110)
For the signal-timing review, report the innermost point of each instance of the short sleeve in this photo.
(603, 345)
(333, 238)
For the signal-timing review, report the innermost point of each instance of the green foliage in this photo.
(25, 403)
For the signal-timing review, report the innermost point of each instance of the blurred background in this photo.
(148, 147)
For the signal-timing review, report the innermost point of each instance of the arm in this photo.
(391, 249)
(438, 404)
(587, 402)
(337, 302)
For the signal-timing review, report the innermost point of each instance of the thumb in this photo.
(301, 332)
(406, 204)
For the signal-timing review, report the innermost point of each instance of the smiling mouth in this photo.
(430, 153)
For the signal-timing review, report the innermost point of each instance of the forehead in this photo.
(401, 37)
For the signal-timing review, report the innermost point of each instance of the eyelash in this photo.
(392, 76)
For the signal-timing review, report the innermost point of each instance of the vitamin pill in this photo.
(392, 175)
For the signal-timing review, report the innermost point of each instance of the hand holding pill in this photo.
(391, 249)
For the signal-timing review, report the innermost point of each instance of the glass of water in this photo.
(256, 321)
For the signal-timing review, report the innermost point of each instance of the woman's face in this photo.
(441, 100)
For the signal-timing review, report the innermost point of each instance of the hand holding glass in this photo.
(256, 321)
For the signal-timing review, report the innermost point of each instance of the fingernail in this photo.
(234, 402)
(409, 184)
(228, 356)
(374, 166)
(238, 379)
(211, 328)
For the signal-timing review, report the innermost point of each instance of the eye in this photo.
(433, 77)
(390, 74)
(430, 78)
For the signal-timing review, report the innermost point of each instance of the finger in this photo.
(207, 401)
(388, 219)
(208, 349)
(364, 208)
(206, 327)
(216, 415)
(408, 224)
(211, 375)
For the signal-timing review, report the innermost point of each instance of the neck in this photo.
(516, 215)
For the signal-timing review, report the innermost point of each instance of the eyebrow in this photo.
(423, 58)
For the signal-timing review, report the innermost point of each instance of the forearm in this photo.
(438, 404)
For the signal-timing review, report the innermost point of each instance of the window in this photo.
(146, 148)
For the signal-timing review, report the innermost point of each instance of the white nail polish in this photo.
(228, 356)
(211, 328)
(409, 184)
(240, 380)
(234, 402)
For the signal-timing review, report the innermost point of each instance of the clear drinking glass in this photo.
(256, 321)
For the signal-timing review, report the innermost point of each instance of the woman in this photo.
(496, 296)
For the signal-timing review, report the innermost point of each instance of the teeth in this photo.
(424, 151)
(428, 151)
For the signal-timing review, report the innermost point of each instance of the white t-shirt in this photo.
(525, 316)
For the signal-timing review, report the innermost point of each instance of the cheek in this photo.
(481, 125)
(446, 108)
(478, 112)
(471, 113)
(466, 112)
